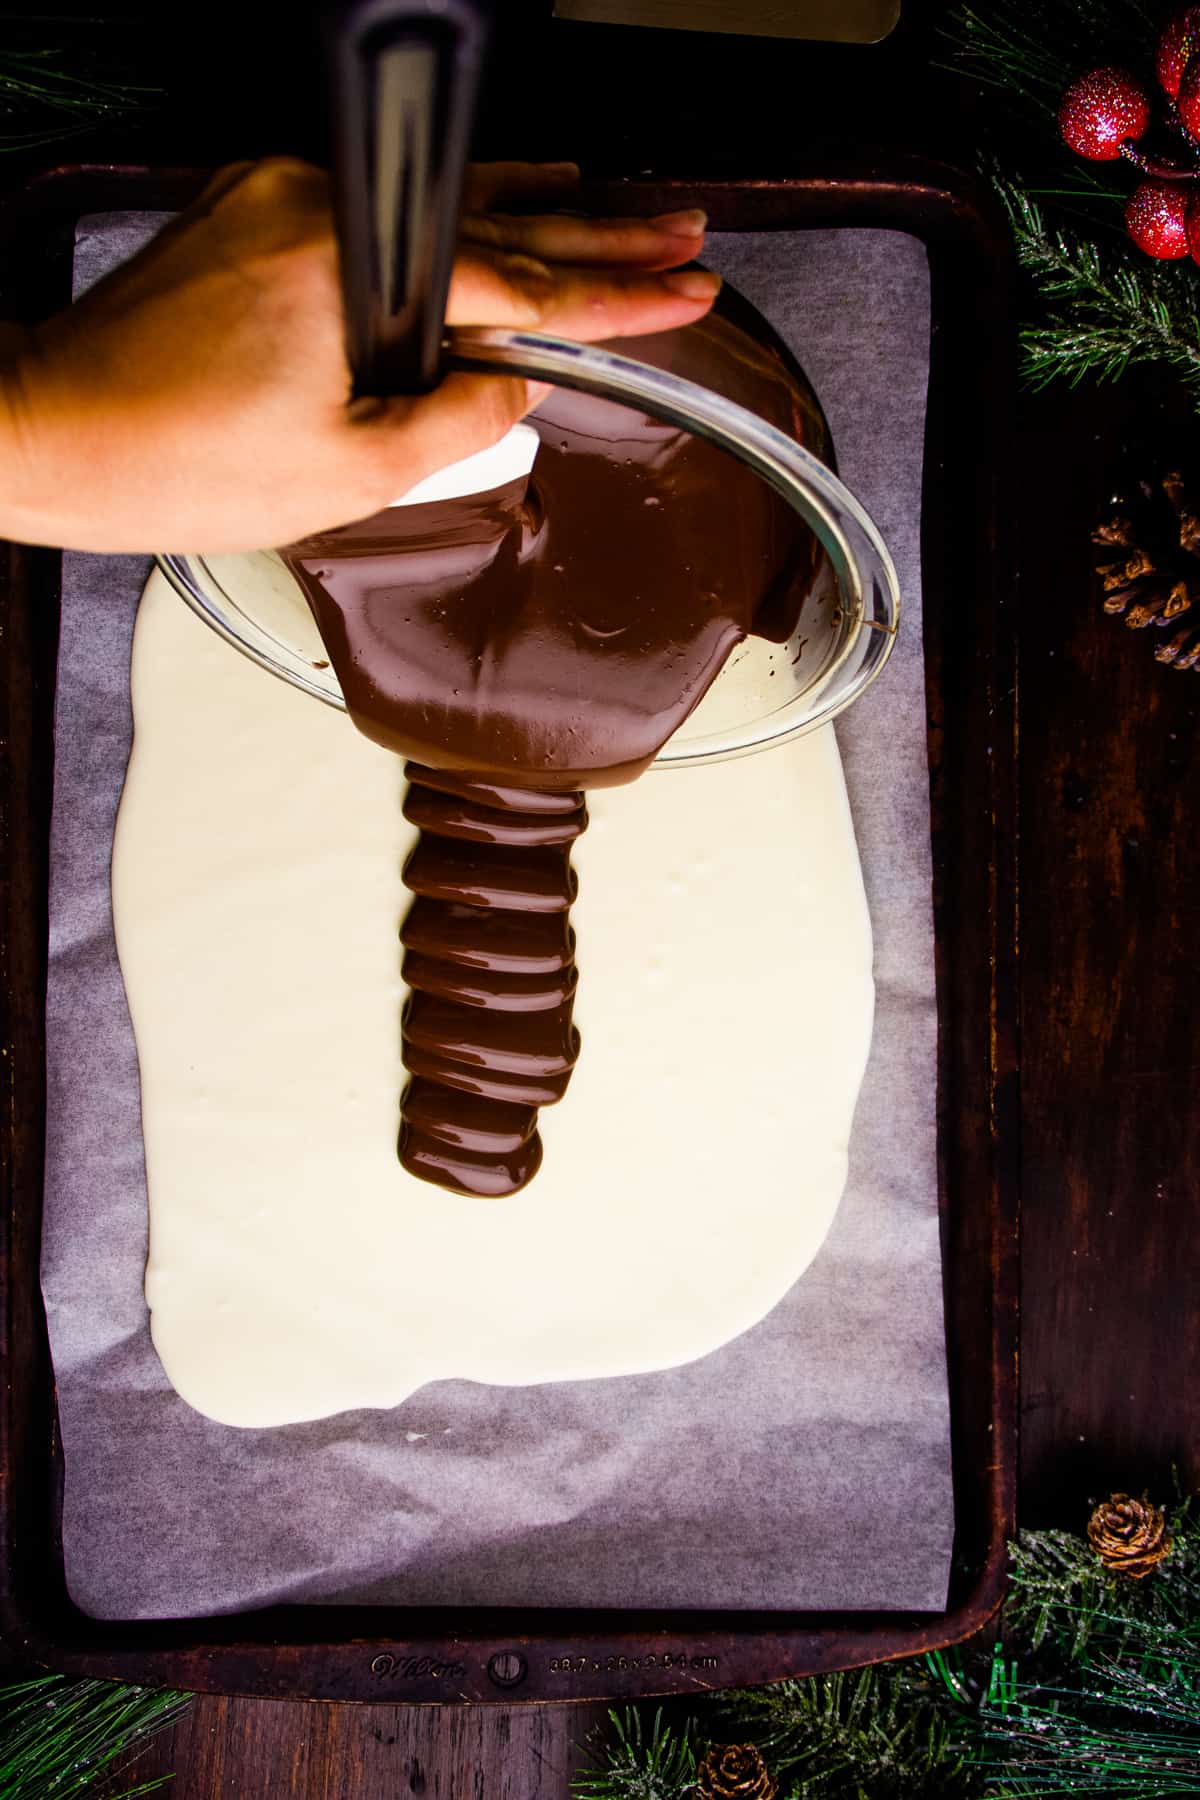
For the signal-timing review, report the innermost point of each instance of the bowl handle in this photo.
(403, 81)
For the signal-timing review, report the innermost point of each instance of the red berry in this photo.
(1178, 43)
(1101, 110)
(1156, 218)
(1188, 102)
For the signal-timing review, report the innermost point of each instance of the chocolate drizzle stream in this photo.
(517, 647)
(490, 959)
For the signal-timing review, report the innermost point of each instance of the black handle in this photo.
(404, 78)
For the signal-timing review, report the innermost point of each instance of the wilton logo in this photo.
(416, 1668)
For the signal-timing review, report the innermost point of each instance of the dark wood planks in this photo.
(1110, 981)
(274, 1750)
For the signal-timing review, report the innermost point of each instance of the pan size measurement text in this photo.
(615, 1665)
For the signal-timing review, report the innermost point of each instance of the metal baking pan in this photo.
(455, 1654)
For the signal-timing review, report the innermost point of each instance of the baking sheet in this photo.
(804, 1466)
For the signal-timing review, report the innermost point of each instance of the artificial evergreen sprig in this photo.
(1032, 53)
(885, 1733)
(1104, 311)
(58, 1737)
(871, 1734)
(1097, 1693)
(1094, 307)
(636, 1764)
(1062, 1598)
(1118, 1728)
(52, 91)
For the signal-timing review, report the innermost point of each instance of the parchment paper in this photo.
(805, 1465)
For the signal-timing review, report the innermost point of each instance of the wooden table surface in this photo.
(1110, 963)
(1110, 985)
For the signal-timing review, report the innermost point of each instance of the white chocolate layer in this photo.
(691, 1173)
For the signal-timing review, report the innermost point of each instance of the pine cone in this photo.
(1129, 1536)
(1148, 561)
(734, 1772)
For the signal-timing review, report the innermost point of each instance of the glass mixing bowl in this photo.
(765, 694)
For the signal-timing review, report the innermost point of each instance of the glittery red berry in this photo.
(1156, 219)
(1100, 111)
(1188, 102)
(1179, 42)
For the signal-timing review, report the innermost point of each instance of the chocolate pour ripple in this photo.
(516, 648)
(490, 962)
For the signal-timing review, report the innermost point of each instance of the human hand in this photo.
(197, 398)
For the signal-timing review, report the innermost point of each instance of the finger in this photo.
(659, 243)
(409, 439)
(497, 183)
(524, 294)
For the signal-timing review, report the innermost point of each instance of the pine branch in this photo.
(1127, 1721)
(1105, 313)
(50, 93)
(1115, 1733)
(637, 1766)
(998, 48)
(42, 76)
(998, 52)
(1060, 1596)
(58, 1736)
(869, 1735)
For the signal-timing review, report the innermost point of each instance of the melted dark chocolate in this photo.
(517, 647)
(490, 961)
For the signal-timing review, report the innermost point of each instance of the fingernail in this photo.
(536, 392)
(693, 284)
(566, 171)
(681, 224)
